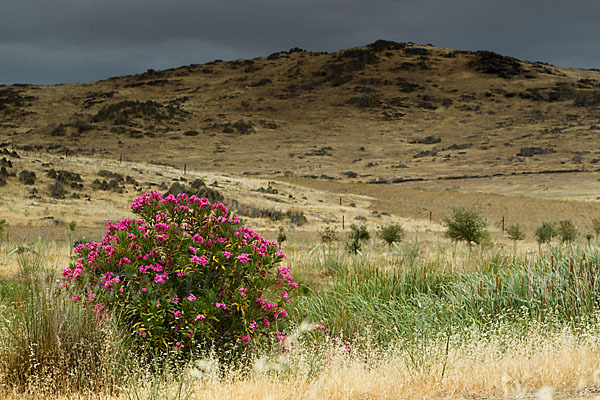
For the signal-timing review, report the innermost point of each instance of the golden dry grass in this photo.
(487, 115)
(562, 366)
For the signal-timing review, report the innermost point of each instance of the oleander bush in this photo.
(185, 276)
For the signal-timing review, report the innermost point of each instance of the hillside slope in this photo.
(387, 110)
(399, 114)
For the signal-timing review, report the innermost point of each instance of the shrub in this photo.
(392, 233)
(567, 231)
(466, 225)
(596, 226)
(281, 237)
(185, 276)
(515, 233)
(358, 235)
(3, 228)
(589, 237)
(545, 232)
(328, 234)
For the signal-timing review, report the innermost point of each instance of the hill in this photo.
(376, 122)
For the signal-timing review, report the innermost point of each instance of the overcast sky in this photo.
(59, 41)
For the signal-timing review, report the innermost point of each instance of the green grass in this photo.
(406, 297)
(423, 302)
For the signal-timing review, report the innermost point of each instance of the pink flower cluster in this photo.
(182, 248)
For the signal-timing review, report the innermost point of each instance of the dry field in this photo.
(378, 134)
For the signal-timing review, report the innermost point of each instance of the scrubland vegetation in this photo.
(370, 318)
(435, 302)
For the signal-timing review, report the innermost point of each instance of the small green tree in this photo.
(281, 237)
(328, 234)
(72, 226)
(596, 226)
(545, 232)
(391, 233)
(3, 228)
(567, 231)
(466, 225)
(589, 237)
(358, 235)
(515, 233)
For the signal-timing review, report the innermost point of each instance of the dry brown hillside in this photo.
(376, 124)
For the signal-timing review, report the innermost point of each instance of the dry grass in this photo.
(53, 256)
(561, 366)
(480, 114)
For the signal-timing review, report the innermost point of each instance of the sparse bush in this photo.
(58, 131)
(328, 234)
(567, 231)
(185, 276)
(281, 237)
(514, 232)
(121, 113)
(589, 237)
(596, 226)
(545, 232)
(358, 235)
(365, 101)
(466, 225)
(72, 227)
(3, 228)
(391, 233)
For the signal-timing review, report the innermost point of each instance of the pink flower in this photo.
(221, 305)
(246, 339)
(199, 318)
(176, 313)
(253, 325)
(75, 299)
(199, 260)
(191, 297)
(284, 295)
(243, 258)
(243, 291)
(227, 254)
(158, 304)
(161, 278)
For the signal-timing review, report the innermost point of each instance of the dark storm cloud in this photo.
(54, 41)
